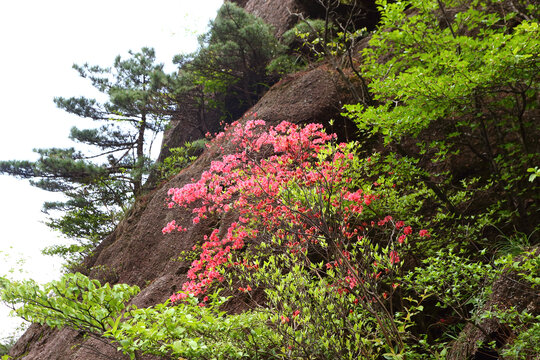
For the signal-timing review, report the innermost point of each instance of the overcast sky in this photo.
(40, 41)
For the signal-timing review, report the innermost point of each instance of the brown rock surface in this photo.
(138, 253)
(190, 122)
(278, 13)
(510, 290)
(281, 13)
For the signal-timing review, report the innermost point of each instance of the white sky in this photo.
(39, 42)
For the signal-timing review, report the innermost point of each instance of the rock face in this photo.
(510, 290)
(278, 13)
(138, 253)
(281, 14)
(190, 122)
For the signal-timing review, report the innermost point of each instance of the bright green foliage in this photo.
(455, 87)
(455, 281)
(461, 287)
(192, 331)
(526, 345)
(431, 70)
(525, 270)
(75, 301)
(526, 266)
(316, 318)
(181, 157)
(101, 311)
(461, 80)
(535, 173)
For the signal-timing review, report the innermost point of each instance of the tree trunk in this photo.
(139, 161)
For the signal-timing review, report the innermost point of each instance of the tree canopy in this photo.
(99, 184)
(231, 62)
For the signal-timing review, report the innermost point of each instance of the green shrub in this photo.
(181, 157)
(457, 82)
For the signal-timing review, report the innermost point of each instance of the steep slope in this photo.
(138, 253)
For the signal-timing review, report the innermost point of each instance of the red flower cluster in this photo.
(266, 182)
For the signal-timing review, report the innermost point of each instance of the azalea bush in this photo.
(306, 230)
(309, 236)
(299, 208)
(288, 184)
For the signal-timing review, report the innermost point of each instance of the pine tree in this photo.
(136, 106)
(100, 184)
(231, 62)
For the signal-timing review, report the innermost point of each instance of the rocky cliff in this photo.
(138, 253)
